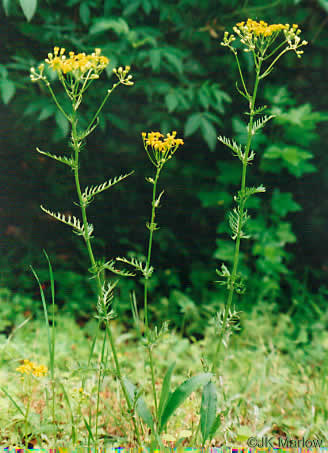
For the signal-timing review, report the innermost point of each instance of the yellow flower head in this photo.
(259, 28)
(258, 37)
(31, 368)
(162, 147)
(79, 64)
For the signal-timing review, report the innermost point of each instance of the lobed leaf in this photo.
(70, 220)
(90, 192)
(63, 159)
(258, 124)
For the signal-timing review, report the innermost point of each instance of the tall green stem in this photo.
(241, 213)
(76, 146)
(150, 243)
(152, 227)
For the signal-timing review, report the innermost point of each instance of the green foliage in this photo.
(295, 354)
(208, 410)
(184, 82)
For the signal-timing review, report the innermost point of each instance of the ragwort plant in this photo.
(77, 72)
(266, 44)
(160, 150)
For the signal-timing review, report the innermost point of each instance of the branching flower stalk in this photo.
(262, 41)
(76, 73)
(159, 151)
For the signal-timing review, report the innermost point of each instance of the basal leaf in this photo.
(181, 394)
(140, 405)
(208, 409)
(165, 390)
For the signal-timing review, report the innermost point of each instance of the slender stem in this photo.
(109, 92)
(240, 73)
(150, 243)
(26, 417)
(52, 359)
(153, 379)
(56, 101)
(151, 231)
(120, 378)
(241, 212)
(76, 147)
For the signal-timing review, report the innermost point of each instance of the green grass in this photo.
(273, 382)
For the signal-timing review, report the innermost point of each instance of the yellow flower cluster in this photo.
(162, 147)
(79, 63)
(261, 28)
(31, 368)
(157, 141)
(259, 36)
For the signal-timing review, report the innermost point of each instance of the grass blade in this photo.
(13, 401)
(88, 428)
(71, 414)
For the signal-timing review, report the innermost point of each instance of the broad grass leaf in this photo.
(181, 394)
(208, 409)
(141, 407)
(28, 7)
